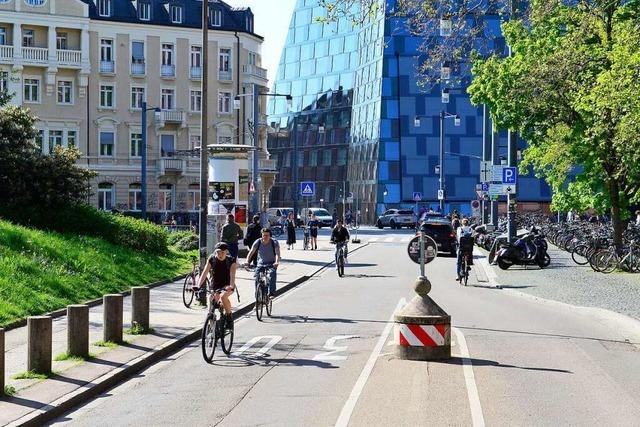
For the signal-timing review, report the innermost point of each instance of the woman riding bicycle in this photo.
(464, 237)
(223, 274)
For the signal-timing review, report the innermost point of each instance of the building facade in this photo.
(391, 155)
(100, 60)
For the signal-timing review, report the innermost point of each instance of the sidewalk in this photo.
(173, 325)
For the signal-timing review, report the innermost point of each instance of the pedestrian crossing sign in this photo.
(308, 188)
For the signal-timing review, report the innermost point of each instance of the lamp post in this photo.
(456, 121)
(143, 155)
(204, 158)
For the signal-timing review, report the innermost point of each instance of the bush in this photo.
(176, 236)
(87, 220)
(183, 241)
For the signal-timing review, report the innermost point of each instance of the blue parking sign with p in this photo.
(308, 188)
(510, 175)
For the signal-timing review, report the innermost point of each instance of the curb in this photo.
(92, 303)
(120, 374)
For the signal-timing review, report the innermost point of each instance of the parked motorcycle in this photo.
(528, 250)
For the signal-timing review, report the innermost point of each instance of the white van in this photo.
(322, 215)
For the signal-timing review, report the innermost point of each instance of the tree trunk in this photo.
(616, 220)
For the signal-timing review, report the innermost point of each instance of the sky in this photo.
(271, 21)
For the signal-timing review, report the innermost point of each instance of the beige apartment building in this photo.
(85, 69)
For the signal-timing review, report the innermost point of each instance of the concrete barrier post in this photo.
(78, 330)
(40, 336)
(112, 318)
(2, 383)
(140, 307)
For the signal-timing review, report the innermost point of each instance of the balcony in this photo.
(138, 68)
(225, 76)
(268, 165)
(170, 116)
(6, 53)
(171, 165)
(195, 73)
(35, 55)
(255, 71)
(107, 66)
(168, 70)
(72, 58)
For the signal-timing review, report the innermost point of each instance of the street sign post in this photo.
(422, 250)
(440, 194)
(308, 189)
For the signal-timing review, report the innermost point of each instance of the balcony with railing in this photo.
(171, 165)
(168, 70)
(138, 67)
(6, 53)
(268, 165)
(35, 55)
(107, 66)
(67, 57)
(172, 116)
(195, 73)
(255, 71)
(225, 75)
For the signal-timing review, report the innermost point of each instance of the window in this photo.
(39, 139)
(104, 7)
(165, 198)
(137, 57)
(27, 38)
(176, 14)
(144, 11)
(107, 93)
(326, 158)
(342, 157)
(225, 59)
(193, 198)
(194, 141)
(31, 90)
(137, 97)
(195, 103)
(106, 56)
(249, 23)
(65, 92)
(72, 140)
(3, 36)
(313, 158)
(4, 81)
(215, 18)
(168, 66)
(168, 99)
(105, 196)
(107, 140)
(224, 102)
(196, 56)
(135, 197)
(167, 145)
(55, 140)
(61, 41)
(135, 144)
(253, 58)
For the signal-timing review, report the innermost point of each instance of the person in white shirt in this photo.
(463, 231)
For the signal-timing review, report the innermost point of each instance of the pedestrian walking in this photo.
(313, 231)
(253, 234)
(231, 233)
(291, 230)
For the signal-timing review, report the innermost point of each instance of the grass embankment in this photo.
(44, 271)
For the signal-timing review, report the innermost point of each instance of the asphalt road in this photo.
(326, 358)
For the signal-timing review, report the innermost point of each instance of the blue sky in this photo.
(271, 22)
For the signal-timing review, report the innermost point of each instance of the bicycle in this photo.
(190, 285)
(466, 246)
(263, 299)
(277, 230)
(215, 328)
(307, 238)
(340, 258)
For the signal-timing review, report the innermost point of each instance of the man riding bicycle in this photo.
(340, 237)
(464, 237)
(268, 252)
(222, 267)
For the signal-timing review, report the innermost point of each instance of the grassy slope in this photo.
(41, 272)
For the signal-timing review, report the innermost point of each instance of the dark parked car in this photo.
(442, 232)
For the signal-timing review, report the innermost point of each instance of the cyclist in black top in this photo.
(340, 235)
(223, 276)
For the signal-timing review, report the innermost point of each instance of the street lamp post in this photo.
(143, 160)
(204, 158)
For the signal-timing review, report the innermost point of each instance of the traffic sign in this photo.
(485, 187)
(495, 190)
(509, 188)
(252, 188)
(308, 188)
(440, 194)
(430, 249)
(475, 208)
(485, 171)
(417, 196)
(509, 175)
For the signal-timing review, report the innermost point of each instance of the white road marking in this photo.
(477, 417)
(350, 404)
(331, 346)
(273, 340)
(374, 239)
(389, 239)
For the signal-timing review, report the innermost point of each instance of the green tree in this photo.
(571, 88)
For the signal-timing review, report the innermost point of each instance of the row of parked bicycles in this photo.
(592, 244)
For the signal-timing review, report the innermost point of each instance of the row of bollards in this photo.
(40, 330)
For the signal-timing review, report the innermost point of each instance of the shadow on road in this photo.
(306, 319)
(484, 362)
(540, 334)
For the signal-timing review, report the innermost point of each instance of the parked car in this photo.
(397, 218)
(274, 215)
(322, 215)
(440, 230)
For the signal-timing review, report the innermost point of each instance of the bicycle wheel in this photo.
(187, 290)
(259, 302)
(226, 336)
(268, 303)
(465, 272)
(306, 243)
(340, 265)
(277, 231)
(608, 261)
(209, 338)
(579, 254)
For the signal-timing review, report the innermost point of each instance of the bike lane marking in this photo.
(472, 389)
(350, 404)
(272, 340)
(331, 346)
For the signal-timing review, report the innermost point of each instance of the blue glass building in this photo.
(391, 156)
